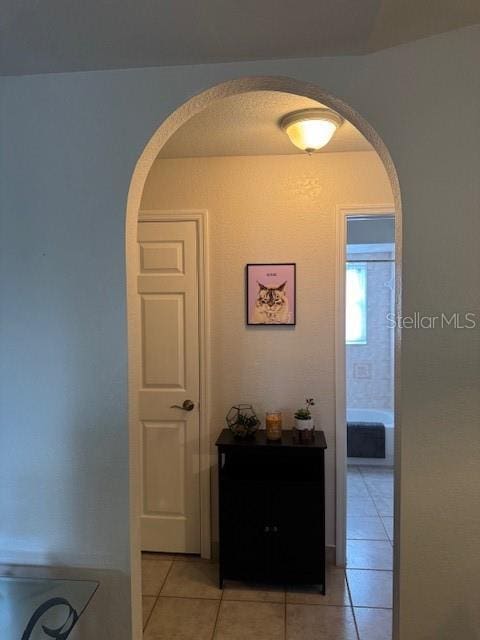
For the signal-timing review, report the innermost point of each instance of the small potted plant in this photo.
(242, 420)
(304, 425)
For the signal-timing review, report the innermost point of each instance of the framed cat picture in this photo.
(271, 294)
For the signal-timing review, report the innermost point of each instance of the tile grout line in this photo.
(218, 612)
(157, 598)
(379, 515)
(145, 624)
(311, 604)
(369, 569)
(351, 605)
(254, 600)
(356, 623)
(345, 570)
(370, 539)
(364, 606)
(175, 597)
(388, 535)
(374, 504)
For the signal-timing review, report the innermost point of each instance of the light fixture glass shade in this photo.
(311, 129)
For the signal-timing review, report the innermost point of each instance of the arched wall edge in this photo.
(140, 174)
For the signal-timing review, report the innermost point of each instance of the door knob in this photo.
(187, 405)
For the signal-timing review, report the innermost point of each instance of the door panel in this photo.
(164, 340)
(297, 559)
(170, 436)
(245, 546)
(165, 484)
(162, 257)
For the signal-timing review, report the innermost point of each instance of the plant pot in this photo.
(303, 430)
(303, 425)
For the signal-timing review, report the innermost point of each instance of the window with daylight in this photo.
(356, 303)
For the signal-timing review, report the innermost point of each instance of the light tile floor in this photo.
(370, 549)
(181, 598)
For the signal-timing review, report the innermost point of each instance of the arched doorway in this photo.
(141, 172)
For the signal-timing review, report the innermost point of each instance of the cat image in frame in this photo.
(271, 305)
(273, 300)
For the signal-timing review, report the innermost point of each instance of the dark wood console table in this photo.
(272, 509)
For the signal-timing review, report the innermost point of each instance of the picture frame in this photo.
(270, 292)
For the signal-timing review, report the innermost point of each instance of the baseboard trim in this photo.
(215, 550)
(330, 554)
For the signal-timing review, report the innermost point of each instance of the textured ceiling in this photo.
(69, 35)
(247, 125)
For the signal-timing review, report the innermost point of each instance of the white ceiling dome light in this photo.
(311, 129)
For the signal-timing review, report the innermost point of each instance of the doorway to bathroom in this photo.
(367, 334)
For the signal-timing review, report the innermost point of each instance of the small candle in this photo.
(273, 425)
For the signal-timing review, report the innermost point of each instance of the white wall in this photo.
(272, 209)
(68, 146)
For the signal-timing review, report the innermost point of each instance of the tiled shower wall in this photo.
(370, 366)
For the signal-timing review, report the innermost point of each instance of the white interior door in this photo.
(170, 434)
